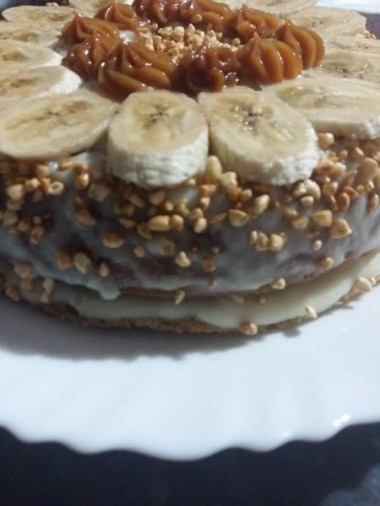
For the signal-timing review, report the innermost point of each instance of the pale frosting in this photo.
(223, 312)
(239, 266)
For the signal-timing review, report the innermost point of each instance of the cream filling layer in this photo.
(223, 312)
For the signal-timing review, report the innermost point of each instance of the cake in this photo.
(193, 167)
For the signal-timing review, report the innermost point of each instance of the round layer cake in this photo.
(188, 166)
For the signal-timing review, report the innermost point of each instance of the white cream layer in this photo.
(223, 312)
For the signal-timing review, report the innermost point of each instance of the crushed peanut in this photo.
(248, 329)
(276, 242)
(55, 189)
(23, 270)
(82, 262)
(261, 204)
(160, 223)
(326, 140)
(85, 217)
(179, 297)
(326, 263)
(237, 218)
(340, 229)
(64, 260)
(112, 240)
(311, 312)
(323, 218)
(16, 191)
(182, 260)
(48, 285)
(279, 284)
(200, 225)
(104, 270)
(373, 202)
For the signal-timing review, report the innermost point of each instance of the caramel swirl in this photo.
(201, 13)
(262, 48)
(304, 41)
(208, 69)
(215, 14)
(250, 22)
(80, 29)
(122, 15)
(132, 67)
(269, 61)
(158, 11)
(86, 57)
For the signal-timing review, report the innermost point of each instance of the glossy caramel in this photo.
(211, 68)
(86, 57)
(304, 41)
(262, 48)
(269, 61)
(82, 28)
(132, 67)
(122, 15)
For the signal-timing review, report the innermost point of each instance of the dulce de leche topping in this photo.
(250, 22)
(201, 13)
(269, 61)
(211, 68)
(132, 67)
(122, 15)
(246, 45)
(81, 28)
(305, 42)
(86, 57)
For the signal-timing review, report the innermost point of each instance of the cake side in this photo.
(249, 188)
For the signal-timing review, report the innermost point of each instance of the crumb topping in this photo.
(314, 208)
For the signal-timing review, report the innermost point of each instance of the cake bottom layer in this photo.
(248, 315)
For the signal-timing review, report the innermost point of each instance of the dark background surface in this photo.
(344, 471)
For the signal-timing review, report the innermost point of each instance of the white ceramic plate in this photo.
(184, 397)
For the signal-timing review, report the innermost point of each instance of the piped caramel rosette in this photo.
(269, 61)
(82, 28)
(85, 58)
(209, 69)
(131, 67)
(122, 15)
(251, 22)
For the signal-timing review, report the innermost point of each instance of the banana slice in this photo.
(353, 43)
(91, 7)
(22, 33)
(48, 128)
(51, 16)
(159, 138)
(259, 136)
(331, 22)
(20, 55)
(353, 64)
(15, 86)
(340, 106)
(276, 7)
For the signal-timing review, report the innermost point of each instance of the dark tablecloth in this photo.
(344, 471)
